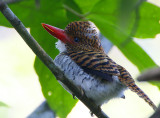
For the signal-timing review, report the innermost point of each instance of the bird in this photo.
(87, 66)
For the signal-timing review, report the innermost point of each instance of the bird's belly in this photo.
(95, 89)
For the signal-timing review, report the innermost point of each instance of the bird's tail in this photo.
(127, 80)
(133, 87)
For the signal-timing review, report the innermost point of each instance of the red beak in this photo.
(57, 33)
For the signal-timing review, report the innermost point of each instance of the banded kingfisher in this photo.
(85, 63)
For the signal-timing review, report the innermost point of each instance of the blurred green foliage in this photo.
(118, 20)
(2, 104)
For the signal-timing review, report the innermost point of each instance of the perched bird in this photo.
(87, 66)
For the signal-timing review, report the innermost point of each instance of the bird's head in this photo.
(77, 36)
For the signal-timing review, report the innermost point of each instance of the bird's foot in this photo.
(92, 114)
(81, 90)
(123, 97)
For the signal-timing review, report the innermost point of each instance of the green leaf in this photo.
(107, 21)
(86, 5)
(53, 13)
(2, 104)
(156, 83)
(59, 99)
(149, 24)
(72, 5)
(115, 19)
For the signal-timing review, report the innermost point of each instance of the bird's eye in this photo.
(76, 39)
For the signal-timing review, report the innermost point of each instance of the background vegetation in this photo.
(118, 20)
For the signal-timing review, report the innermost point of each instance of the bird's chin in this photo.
(61, 46)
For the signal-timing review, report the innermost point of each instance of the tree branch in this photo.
(42, 111)
(156, 113)
(150, 75)
(9, 1)
(47, 60)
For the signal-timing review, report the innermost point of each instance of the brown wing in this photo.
(96, 63)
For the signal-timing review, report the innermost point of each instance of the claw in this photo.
(81, 90)
(73, 96)
(91, 113)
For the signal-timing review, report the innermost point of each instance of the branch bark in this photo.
(150, 75)
(9, 1)
(47, 60)
(42, 111)
(157, 113)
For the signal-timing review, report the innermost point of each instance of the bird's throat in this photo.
(61, 46)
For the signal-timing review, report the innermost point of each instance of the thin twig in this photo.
(82, 16)
(37, 3)
(47, 60)
(150, 75)
(135, 25)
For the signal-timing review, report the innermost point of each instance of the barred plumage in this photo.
(84, 61)
(127, 80)
(95, 63)
(105, 67)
